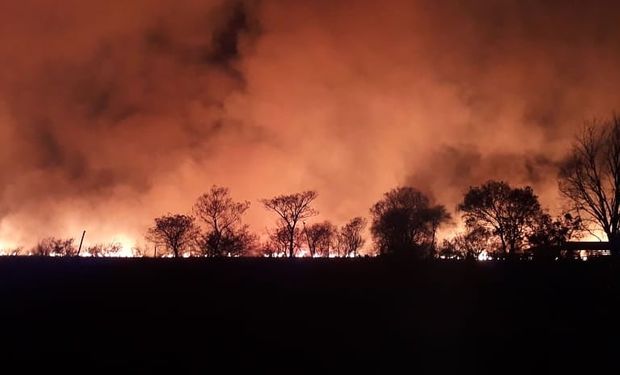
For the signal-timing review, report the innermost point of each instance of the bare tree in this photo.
(52, 246)
(101, 250)
(350, 239)
(279, 241)
(42, 248)
(506, 212)
(291, 209)
(320, 238)
(177, 233)
(225, 235)
(590, 178)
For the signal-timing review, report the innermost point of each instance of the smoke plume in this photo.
(112, 113)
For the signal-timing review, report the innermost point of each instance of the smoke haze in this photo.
(112, 113)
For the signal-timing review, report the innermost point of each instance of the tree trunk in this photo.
(512, 255)
(614, 244)
(291, 243)
(216, 249)
(504, 249)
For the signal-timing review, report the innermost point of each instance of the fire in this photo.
(126, 247)
(8, 248)
(595, 235)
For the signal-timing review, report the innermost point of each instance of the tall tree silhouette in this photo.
(225, 234)
(590, 178)
(320, 238)
(405, 220)
(176, 233)
(350, 239)
(506, 212)
(291, 209)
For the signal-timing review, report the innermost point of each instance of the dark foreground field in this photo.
(382, 315)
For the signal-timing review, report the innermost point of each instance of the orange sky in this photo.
(112, 113)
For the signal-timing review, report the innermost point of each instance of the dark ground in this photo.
(304, 315)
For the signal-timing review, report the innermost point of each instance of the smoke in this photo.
(103, 104)
(113, 113)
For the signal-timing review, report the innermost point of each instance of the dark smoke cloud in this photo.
(114, 112)
(101, 102)
(463, 166)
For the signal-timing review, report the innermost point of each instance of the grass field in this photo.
(386, 315)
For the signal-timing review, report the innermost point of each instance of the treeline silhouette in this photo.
(500, 221)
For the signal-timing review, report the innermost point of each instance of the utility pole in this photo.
(81, 241)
